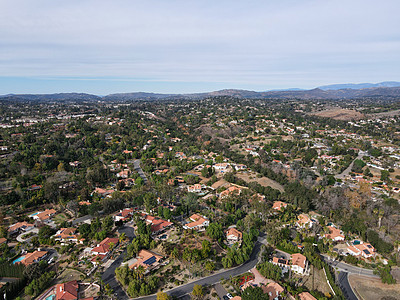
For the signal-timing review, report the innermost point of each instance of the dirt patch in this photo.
(264, 181)
(340, 114)
(316, 281)
(68, 275)
(367, 288)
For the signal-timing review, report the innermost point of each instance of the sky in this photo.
(170, 46)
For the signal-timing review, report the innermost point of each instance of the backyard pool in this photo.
(18, 259)
(51, 297)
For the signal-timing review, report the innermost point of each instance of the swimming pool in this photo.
(51, 297)
(34, 214)
(18, 259)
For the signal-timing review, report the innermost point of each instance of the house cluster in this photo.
(355, 248)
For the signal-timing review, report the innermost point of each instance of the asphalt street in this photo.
(109, 274)
(137, 168)
(345, 286)
(343, 267)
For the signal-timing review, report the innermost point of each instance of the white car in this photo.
(229, 296)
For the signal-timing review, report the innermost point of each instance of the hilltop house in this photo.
(335, 234)
(233, 236)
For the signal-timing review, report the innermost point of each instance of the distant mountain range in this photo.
(336, 91)
(358, 86)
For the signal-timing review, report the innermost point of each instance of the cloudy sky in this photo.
(113, 46)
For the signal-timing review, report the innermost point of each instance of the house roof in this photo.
(30, 258)
(146, 259)
(278, 205)
(46, 214)
(67, 291)
(197, 221)
(233, 231)
(19, 225)
(104, 246)
(299, 260)
(274, 288)
(303, 219)
(334, 233)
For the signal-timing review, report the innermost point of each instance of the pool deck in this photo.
(47, 293)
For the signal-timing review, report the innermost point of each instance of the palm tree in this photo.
(122, 237)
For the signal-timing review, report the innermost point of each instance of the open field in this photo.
(264, 181)
(367, 288)
(339, 114)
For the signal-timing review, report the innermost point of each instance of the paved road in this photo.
(109, 274)
(347, 171)
(183, 290)
(82, 220)
(343, 267)
(137, 168)
(345, 286)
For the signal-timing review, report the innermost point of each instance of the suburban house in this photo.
(20, 226)
(30, 258)
(196, 188)
(147, 259)
(44, 216)
(362, 249)
(221, 166)
(304, 221)
(299, 263)
(306, 296)
(273, 290)
(198, 222)
(105, 246)
(279, 205)
(123, 215)
(67, 291)
(233, 236)
(335, 234)
(66, 235)
(103, 192)
(281, 262)
(231, 190)
(124, 174)
(157, 225)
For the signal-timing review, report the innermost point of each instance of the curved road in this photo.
(185, 289)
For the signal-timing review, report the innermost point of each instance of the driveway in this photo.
(220, 290)
(21, 239)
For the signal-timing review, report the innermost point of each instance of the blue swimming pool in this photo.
(51, 297)
(34, 214)
(18, 259)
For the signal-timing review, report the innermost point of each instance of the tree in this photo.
(197, 292)
(253, 293)
(163, 296)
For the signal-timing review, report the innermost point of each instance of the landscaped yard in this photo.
(58, 219)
